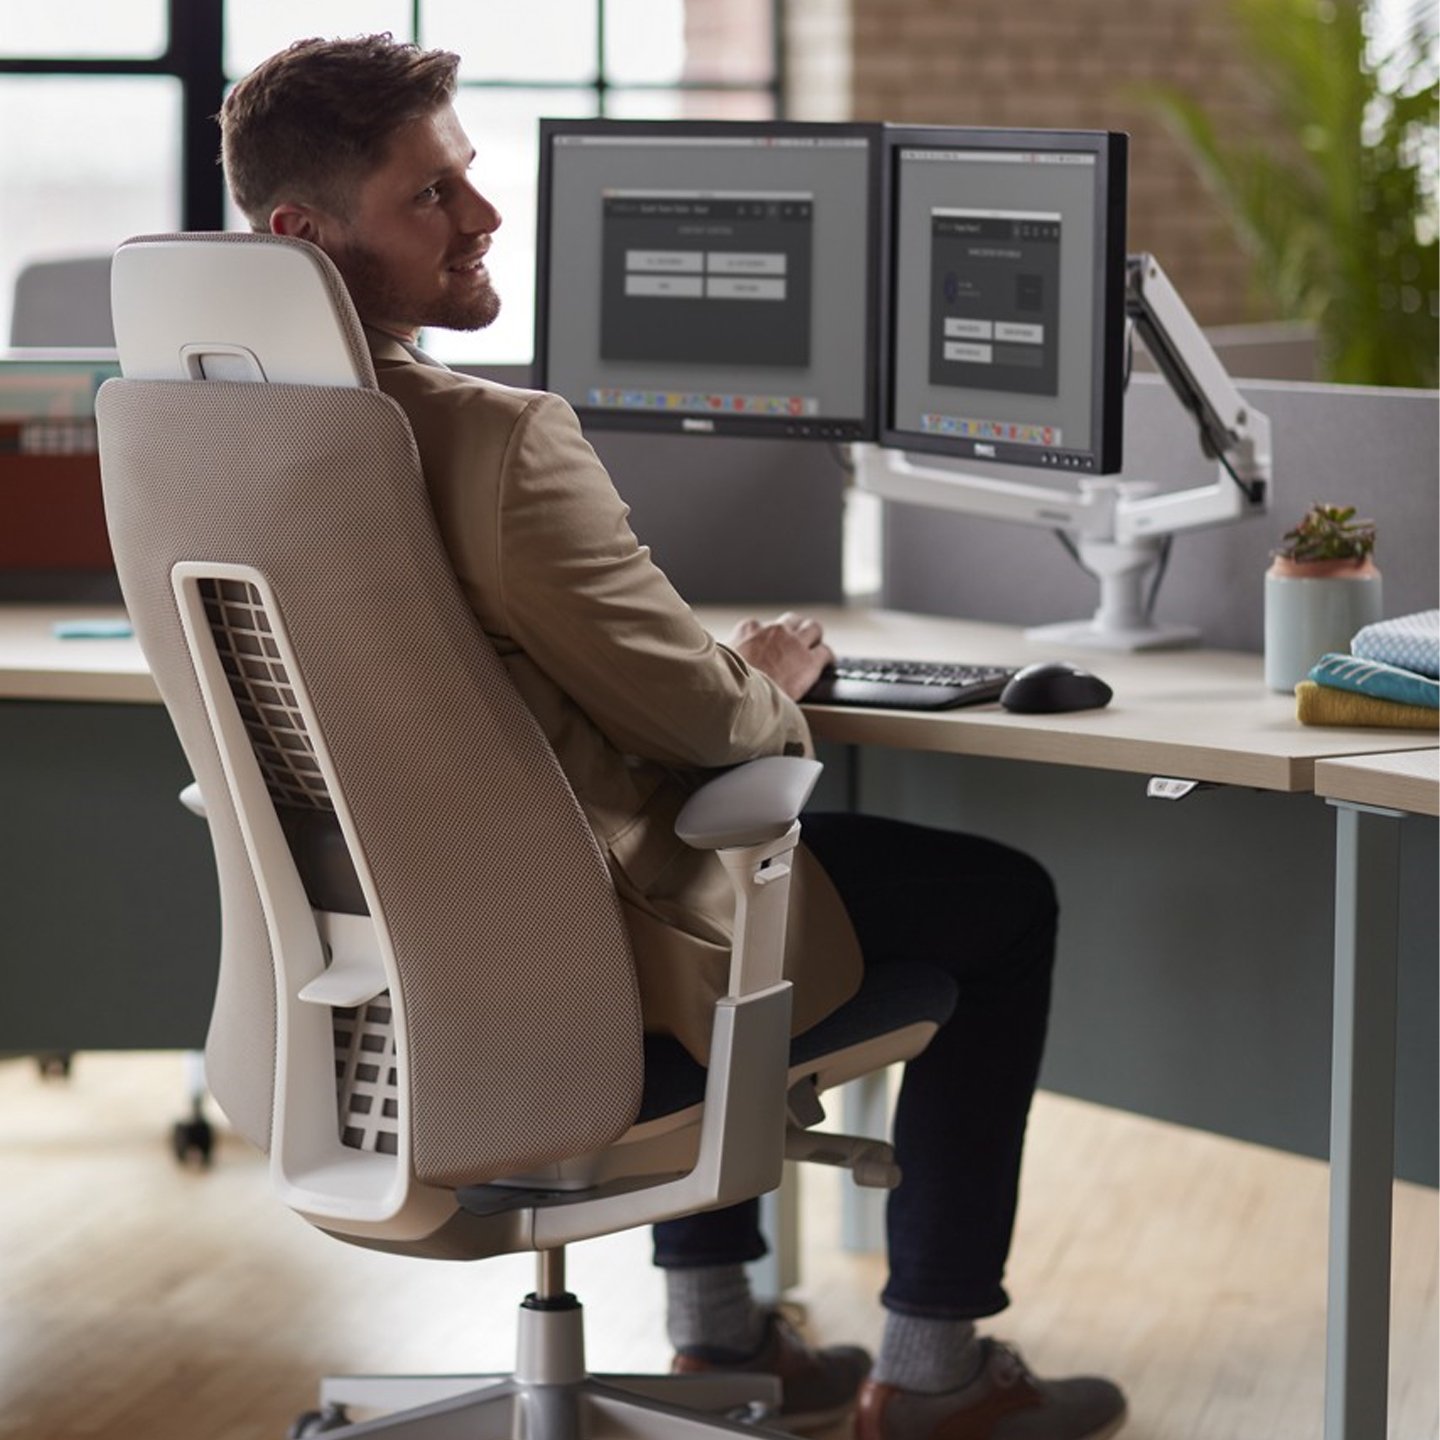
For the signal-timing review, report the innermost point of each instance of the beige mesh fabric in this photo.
(522, 1028)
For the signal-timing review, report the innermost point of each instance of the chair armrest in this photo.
(748, 805)
(750, 816)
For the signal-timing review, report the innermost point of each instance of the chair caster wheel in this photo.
(192, 1139)
(318, 1422)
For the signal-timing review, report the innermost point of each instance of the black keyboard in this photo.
(907, 684)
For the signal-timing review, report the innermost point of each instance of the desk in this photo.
(34, 665)
(1199, 715)
(1207, 716)
(112, 920)
(1372, 794)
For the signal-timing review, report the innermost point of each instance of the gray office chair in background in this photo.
(64, 303)
(427, 1010)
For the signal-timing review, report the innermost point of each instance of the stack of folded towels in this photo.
(1391, 677)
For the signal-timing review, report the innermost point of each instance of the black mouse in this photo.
(1052, 686)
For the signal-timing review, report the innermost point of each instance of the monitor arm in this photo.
(1231, 431)
(1118, 528)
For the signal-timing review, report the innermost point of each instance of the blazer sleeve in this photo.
(582, 597)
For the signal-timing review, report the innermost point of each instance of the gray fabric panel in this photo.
(1342, 444)
(522, 1018)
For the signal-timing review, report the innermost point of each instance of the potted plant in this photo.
(1334, 197)
(1322, 586)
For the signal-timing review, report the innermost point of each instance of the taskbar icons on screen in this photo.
(694, 402)
(1012, 431)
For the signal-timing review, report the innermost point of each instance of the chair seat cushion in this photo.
(890, 997)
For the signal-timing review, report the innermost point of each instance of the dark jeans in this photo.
(986, 914)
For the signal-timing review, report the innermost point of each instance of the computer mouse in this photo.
(1052, 686)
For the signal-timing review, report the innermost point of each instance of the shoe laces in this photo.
(1007, 1368)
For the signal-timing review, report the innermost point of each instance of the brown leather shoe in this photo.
(1003, 1402)
(818, 1385)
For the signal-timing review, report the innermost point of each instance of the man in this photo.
(355, 147)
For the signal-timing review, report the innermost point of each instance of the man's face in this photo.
(412, 249)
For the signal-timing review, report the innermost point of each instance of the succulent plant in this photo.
(1329, 532)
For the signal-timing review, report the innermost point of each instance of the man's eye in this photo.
(430, 192)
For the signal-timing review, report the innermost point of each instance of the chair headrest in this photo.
(232, 306)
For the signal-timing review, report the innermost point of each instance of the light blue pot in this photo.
(1305, 619)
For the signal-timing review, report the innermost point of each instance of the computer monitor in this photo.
(1003, 309)
(710, 277)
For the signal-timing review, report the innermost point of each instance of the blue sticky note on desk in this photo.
(99, 629)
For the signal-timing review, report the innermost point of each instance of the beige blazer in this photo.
(634, 695)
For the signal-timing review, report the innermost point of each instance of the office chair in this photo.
(63, 302)
(427, 1010)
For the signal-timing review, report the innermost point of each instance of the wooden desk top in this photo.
(1406, 780)
(35, 665)
(1193, 714)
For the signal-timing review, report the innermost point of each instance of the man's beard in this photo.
(378, 295)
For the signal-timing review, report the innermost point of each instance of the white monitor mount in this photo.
(1118, 529)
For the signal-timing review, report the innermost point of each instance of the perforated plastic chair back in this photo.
(281, 564)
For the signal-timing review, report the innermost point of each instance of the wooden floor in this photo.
(144, 1301)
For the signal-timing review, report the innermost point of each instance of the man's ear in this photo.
(297, 221)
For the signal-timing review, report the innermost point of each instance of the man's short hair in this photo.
(306, 125)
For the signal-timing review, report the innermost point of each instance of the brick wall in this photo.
(1064, 64)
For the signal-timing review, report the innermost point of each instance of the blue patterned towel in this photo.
(1380, 682)
(1411, 642)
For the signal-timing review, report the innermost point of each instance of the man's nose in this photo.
(478, 214)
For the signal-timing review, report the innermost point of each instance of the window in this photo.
(115, 105)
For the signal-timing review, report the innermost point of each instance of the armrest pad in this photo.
(748, 805)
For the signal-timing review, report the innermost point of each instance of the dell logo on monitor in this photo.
(704, 427)
(985, 450)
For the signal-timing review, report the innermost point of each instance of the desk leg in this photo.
(865, 1110)
(1362, 1122)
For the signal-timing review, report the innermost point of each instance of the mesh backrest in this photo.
(521, 1020)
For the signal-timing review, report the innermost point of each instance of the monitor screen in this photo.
(717, 278)
(1004, 306)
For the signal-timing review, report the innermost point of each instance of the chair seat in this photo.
(890, 997)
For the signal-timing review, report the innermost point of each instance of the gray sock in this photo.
(918, 1353)
(711, 1308)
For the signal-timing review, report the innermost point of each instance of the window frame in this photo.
(195, 57)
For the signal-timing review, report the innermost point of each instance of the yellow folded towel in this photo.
(1324, 705)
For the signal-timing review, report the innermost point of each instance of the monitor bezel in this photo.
(833, 429)
(1111, 148)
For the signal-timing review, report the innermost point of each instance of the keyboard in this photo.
(907, 684)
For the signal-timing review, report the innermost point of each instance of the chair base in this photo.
(645, 1407)
(550, 1397)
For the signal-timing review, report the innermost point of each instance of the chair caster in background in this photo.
(193, 1140)
(318, 1422)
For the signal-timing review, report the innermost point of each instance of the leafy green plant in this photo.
(1336, 204)
(1329, 532)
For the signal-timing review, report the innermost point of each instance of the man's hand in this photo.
(791, 650)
